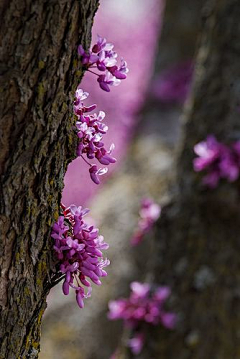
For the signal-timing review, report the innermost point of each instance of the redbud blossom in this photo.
(149, 214)
(104, 59)
(78, 247)
(145, 305)
(136, 343)
(90, 131)
(218, 160)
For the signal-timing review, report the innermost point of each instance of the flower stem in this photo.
(92, 72)
(85, 160)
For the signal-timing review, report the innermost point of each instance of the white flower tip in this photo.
(102, 171)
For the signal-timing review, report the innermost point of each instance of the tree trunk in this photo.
(179, 32)
(40, 72)
(197, 243)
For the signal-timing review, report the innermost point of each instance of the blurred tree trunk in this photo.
(197, 243)
(179, 32)
(39, 68)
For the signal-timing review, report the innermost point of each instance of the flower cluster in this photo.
(79, 249)
(217, 160)
(149, 213)
(144, 305)
(103, 58)
(90, 132)
(78, 245)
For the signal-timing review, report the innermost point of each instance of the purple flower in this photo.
(90, 131)
(169, 320)
(162, 293)
(106, 59)
(79, 108)
(107, 80)
(95, 172)
(136, 343)
(149, 214)
(101, 45)
(87, 59)
(149, 210)
(217, 160)
(140, 290)
(119, 72)
(145, 304)
(116, 309)
(103, 58)
(208, 152)
(78, 247)
(229, 165)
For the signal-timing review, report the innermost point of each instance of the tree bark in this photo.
(39, 73)
(197, 243)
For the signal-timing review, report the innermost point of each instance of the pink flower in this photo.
(95, 172)
(108, 80)
(149, 214)
(116, 309)
(140, 290)
(136, 343)
(145, 304)
(90, 131)
(208, 152)
(169, 320)
(150, 210)
(104, 58)
(217, 160)
(79, 248)
(162, 293)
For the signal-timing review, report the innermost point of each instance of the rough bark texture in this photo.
(197, 242)
(40, 71)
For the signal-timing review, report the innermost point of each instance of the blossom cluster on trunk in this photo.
(103, 58)
(79, 248)
(90, 131)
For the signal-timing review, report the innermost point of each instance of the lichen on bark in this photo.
(40, 71)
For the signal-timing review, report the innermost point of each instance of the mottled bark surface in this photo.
(39, 72)
(197, 242)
